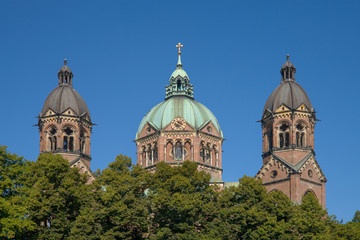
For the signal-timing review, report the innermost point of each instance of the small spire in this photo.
(179, 64)
(65, 61)
(287, 57)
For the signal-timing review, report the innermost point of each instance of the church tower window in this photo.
(300, 135)
(52, 143)
(82, 141)
(284, 136)
(68, 140)
(179, 85)
(178, 152)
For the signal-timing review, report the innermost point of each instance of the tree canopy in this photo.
(47, 199)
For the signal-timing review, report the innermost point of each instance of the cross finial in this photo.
(65, 61)
(179, 46)
(287, 57)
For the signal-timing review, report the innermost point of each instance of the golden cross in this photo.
(179, 46)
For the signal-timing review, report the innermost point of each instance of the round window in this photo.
(273, 174)
(310, 173)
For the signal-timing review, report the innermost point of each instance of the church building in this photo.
(181, 129)
(288, 123)
(65, 123)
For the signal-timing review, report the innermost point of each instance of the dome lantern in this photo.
(179, 81)
(288, 70)
(65, 75)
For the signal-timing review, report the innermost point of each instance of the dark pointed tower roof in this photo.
(288, 93)
(64, 96)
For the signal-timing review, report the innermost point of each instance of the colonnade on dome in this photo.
(176, 147)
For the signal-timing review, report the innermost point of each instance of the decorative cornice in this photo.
(210, 137)
(75, 153)
(277, 181)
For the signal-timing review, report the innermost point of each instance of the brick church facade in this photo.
(288, 127)
(181, 129)
(65, 123)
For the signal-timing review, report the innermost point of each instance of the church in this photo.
(181, 129)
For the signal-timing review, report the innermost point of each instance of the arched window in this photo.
(82, 141)
(155, 154)
(205, 154)
(178, 152)
(310, 192)
(269, 139)
(179, 85)
(52, 143)
(300, 135)
(68, 140)
(284, 135)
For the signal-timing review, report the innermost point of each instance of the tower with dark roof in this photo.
(288, 122)
(65, 123)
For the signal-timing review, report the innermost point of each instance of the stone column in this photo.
(152, 155)
(192, 151)
(146, 156)
(217, 158)
(141, 157)
(183, 150)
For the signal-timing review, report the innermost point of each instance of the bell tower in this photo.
(288, 123)
(65, 123)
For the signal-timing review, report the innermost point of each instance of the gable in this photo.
(172, 125)
(147, 130)
(70, 112)
(292, 157)
(266, 173)
(49, 112)
(302, 107)
(310, 170)
(282, 108)
(209, 128)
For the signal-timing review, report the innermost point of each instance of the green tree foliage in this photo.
(47, 199)
(55, 195)
(356, 216)
(248, 212)
(117, 209)
(181, 202)
(13, 223)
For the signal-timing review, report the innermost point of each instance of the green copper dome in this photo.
(193, 112)
(179, 102)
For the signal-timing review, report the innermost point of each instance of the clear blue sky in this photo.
(123, 52)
